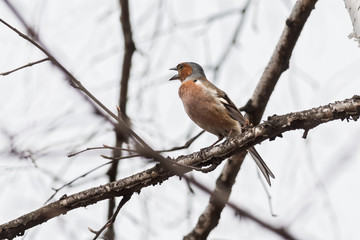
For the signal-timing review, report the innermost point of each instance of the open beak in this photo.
(176, 76)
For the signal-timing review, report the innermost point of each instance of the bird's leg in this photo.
(228, 136)
(219, 139)
(247, 125)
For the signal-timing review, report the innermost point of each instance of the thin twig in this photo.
(24, 66)
(99, 148)
(227, 50)
(112, 219)
(73, 81)
(84, 175)
(186, 145)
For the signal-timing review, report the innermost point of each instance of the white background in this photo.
(315, 194)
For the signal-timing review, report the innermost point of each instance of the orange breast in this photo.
(206, 110)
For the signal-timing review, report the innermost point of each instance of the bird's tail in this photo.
(261, 164)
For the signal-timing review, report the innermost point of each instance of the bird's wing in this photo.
(234, 112)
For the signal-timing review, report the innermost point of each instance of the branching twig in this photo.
(112, 219)
(239, 211)
(186, 145)
(233, 39)
(103, 147)
(120, 135)
(84, 175)
(346, 109)
(73, 81)
(24, 66)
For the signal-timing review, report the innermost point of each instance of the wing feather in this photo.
(234, 112)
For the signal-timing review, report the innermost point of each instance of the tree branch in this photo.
(218, 198)
(112, 219)
(120, 137)
(24, 66)
(275, 125)
(279, 61)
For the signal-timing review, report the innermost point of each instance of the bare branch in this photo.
(112, 219)
(120, 137)
(218, 198)
(239, 26)
(279, 61)
(85, 174)
(308, 119)
(209, 218)
(24, 66)
(99, 148)
(186, 145)
(129, 51)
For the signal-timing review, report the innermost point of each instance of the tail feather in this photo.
(261, 164)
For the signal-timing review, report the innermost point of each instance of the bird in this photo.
(211, 108)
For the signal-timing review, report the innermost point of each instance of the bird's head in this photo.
(186, 70)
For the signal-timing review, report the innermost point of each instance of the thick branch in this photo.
(275, 125)
(279, 61)
(219, 197)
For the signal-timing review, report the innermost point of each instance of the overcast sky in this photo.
(315, 193)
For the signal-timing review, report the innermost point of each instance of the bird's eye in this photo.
(181, 66)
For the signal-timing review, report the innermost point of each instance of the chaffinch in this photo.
(211, 109)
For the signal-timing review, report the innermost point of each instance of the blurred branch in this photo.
(195, 22)
(255, 107)
(88, 97)
(218, 199)
(239, 26)
(100, 148)
(120, 137)
(275, 125)
(56, 190)
(24, 66)
(209, 218)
